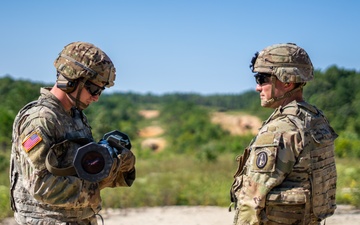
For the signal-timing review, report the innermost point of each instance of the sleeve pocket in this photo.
(265, 150)
(291, 197)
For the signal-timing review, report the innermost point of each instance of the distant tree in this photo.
(113, 112)
(190, 131)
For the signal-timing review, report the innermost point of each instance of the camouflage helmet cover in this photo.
(84, 60)
(288, 62)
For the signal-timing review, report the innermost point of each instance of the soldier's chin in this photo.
(83, 106)
(265, 103)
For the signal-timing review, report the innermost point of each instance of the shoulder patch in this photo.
(262, 159)
(31, 141)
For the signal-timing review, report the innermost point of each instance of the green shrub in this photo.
(348, 186)
(5, 210)
(347, 146)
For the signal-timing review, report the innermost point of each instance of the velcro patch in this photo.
(261, 160)
(31, 141)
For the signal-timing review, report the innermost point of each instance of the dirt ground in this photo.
(149, 114)
(237, 124)
(195, 215)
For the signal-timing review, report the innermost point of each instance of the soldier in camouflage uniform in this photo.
(46, 136)
(287, 174)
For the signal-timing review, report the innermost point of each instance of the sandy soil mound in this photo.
(151, 131)
(237, 124)
(152, 141)
(149, 114)
(155, 144)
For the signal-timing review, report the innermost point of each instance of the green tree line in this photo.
(334, 91)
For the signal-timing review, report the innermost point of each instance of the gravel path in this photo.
(195, 215)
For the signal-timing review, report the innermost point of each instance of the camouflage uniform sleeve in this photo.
(272, 157)
(64, 191)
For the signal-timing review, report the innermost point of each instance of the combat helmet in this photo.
(288, 62)
(84, 60)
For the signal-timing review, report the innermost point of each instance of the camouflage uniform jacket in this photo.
(38, 196)
(289, 176)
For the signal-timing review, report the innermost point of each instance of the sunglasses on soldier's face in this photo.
(262, 78)
(93, 89)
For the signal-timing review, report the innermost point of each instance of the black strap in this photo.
(51, 161)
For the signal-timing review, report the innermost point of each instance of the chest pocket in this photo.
(264, 152)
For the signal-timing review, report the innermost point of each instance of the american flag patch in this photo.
(31, 141)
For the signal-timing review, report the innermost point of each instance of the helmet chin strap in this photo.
(286, 95)
(78, 104)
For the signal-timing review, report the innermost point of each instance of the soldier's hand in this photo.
(109, 180)
(122, 171)
(127, 160)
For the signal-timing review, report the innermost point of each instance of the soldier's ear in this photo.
(68, 86)
(289, 85)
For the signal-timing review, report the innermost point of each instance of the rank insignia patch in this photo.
(31, 141)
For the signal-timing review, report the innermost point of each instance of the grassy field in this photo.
(170, 179)
(348, 184)
(176, 180)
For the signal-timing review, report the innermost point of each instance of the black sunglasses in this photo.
(93, 89)
(262, 78)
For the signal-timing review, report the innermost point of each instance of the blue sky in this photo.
(197, 46)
